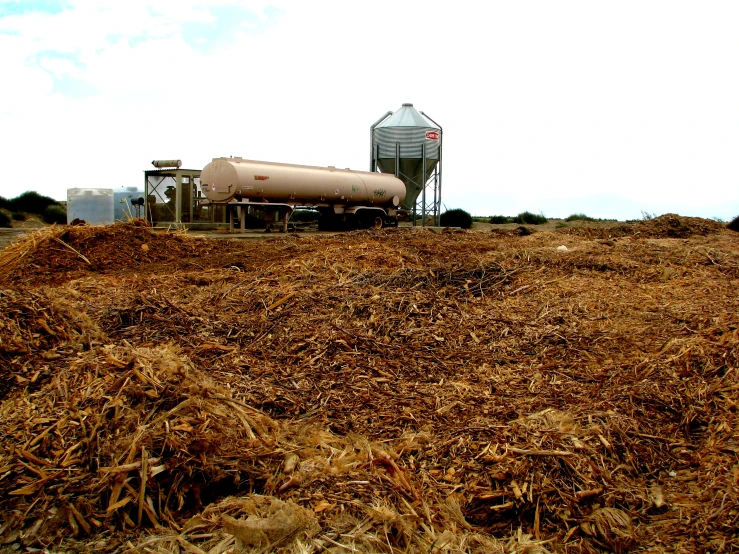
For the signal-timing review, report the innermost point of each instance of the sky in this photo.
(613, 109)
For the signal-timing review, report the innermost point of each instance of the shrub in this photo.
(734, 224)
(18, 216)
(499, 219)
(32, 203)
(4, 203)
(579, 217)
(55, 214)
(456, 218)
(5, 219)
(531, 219)
(305, 215)
(525, 231)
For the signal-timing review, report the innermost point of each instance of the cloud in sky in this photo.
(608, 108)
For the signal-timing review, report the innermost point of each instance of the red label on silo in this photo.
(432, 135)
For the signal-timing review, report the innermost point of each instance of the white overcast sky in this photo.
(603, 107)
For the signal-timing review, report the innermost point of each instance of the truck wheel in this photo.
(378, 222)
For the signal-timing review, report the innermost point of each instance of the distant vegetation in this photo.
(305, 215)
(523, 217)
(531, 219)
(579, 217)
(15, 209)
(645, 216)
(28, 202)
(456, 218)
(55, 214)
(537, 219)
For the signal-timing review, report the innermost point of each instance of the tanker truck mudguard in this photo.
(344, 198)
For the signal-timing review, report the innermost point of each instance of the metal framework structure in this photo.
(174, 197)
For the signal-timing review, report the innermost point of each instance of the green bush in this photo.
(579, 217)
(4, 203)
(531, 219)
(31, 202)
(499, 219)
(5, 219)
(456, 218)
(734, 225)
(305, 215)
(55, 214)
(18, 216)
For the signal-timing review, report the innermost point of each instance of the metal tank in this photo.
(161, 164)
(92, 205)
(267, 184)
(408, 144)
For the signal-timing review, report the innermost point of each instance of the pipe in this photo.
(423, 184)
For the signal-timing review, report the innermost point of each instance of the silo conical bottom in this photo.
(411, 173)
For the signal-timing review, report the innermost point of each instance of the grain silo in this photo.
(408, 144)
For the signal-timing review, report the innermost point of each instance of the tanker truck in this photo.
(343, 197)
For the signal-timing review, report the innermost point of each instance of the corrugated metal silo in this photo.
(408, 144)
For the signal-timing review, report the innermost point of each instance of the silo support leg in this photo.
(284, 221)
(232, 215)
(243, 218)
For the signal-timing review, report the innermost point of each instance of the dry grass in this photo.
(397, 391)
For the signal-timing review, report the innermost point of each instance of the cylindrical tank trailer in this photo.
(369, 199)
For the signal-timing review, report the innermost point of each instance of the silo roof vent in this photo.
(408, 116)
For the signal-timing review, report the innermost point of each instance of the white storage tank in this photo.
(128, 203)
(94, 206)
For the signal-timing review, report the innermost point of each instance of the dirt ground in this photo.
(550, 225)
(506, 389)
(20, 231)
(8, 236)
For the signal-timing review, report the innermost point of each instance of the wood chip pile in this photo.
(390, 391)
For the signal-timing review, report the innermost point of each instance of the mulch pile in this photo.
(63, 253)
(664, 226)
(390, 391)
